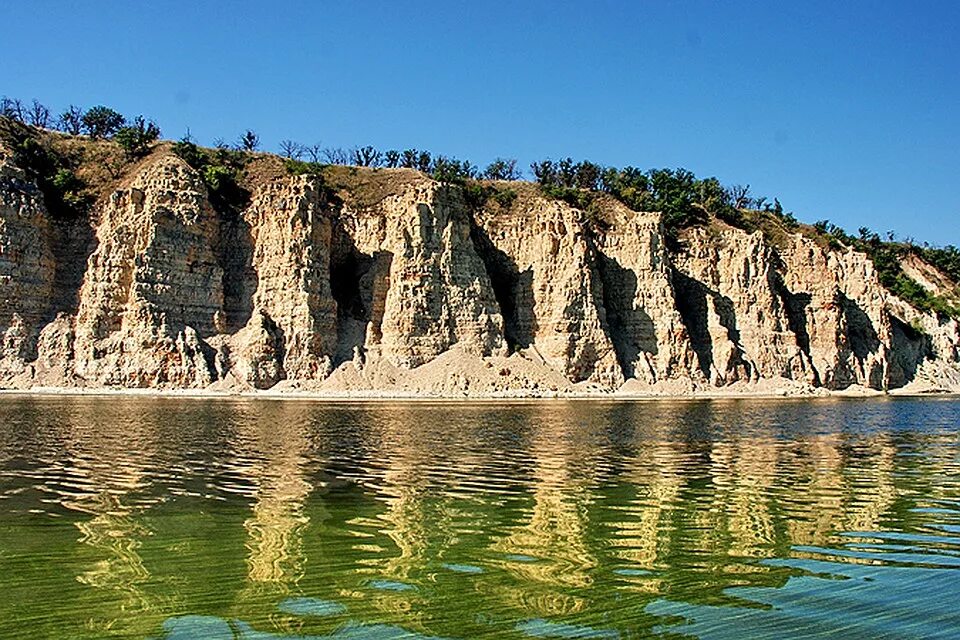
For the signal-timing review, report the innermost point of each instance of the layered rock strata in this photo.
(425, 291)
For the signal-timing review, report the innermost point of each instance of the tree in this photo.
(291, 149)
(446, 170)
(101, 121)
(366, 156)
(249, 141)
(502, 169)
(424, 161)
(136, 137)
(336, 155)
(469, 170)
(391, 158)
(566, 172)
(71, 120)
(545, 172)
(587, 175)
(740, 196)
(38, 115)
(408, 158)
(12, 108)
(314, 151)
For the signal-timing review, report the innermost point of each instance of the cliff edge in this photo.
(358, 281)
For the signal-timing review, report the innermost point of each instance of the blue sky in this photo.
(843, 110)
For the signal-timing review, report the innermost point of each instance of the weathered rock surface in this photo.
(27, 268)
(540, 256)
(420, 291)
(153, 286)
(294, 313)
(409, 280)
(647, 330)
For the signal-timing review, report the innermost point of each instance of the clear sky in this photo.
(844, 110)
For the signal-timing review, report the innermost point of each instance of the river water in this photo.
(214, 518)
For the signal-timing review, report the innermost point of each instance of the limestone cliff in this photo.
(421, 288)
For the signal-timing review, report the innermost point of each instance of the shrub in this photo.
(100, 121)
(63, 191)
(476, 194)
(220, 171)
(136, 137)
(502, 169)
(505, 197)
(946, 259)
(189, 152)
(887, 257)
(300, 167)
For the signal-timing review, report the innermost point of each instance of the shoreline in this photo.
(390, 396)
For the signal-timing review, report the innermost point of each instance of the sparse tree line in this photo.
(133, 135)
(444, 168)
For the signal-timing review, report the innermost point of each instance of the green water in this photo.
(163, 518)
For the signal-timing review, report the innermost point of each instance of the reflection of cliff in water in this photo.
(548, 549)
(410, 515)
(274, 447)
(108, 459)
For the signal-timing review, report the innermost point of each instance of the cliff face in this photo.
(419, 291)
(27, 268)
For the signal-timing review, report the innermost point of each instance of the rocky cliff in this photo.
(388, 281)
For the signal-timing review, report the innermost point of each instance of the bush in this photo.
(189, 153)
(505, 197)
(475, 194)
(502, 169)
(100, 121)
(63, 191)
(300, 167)
(136, 137)
(887, 257)
(65, 180)
(220, 171)
(946, 259)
